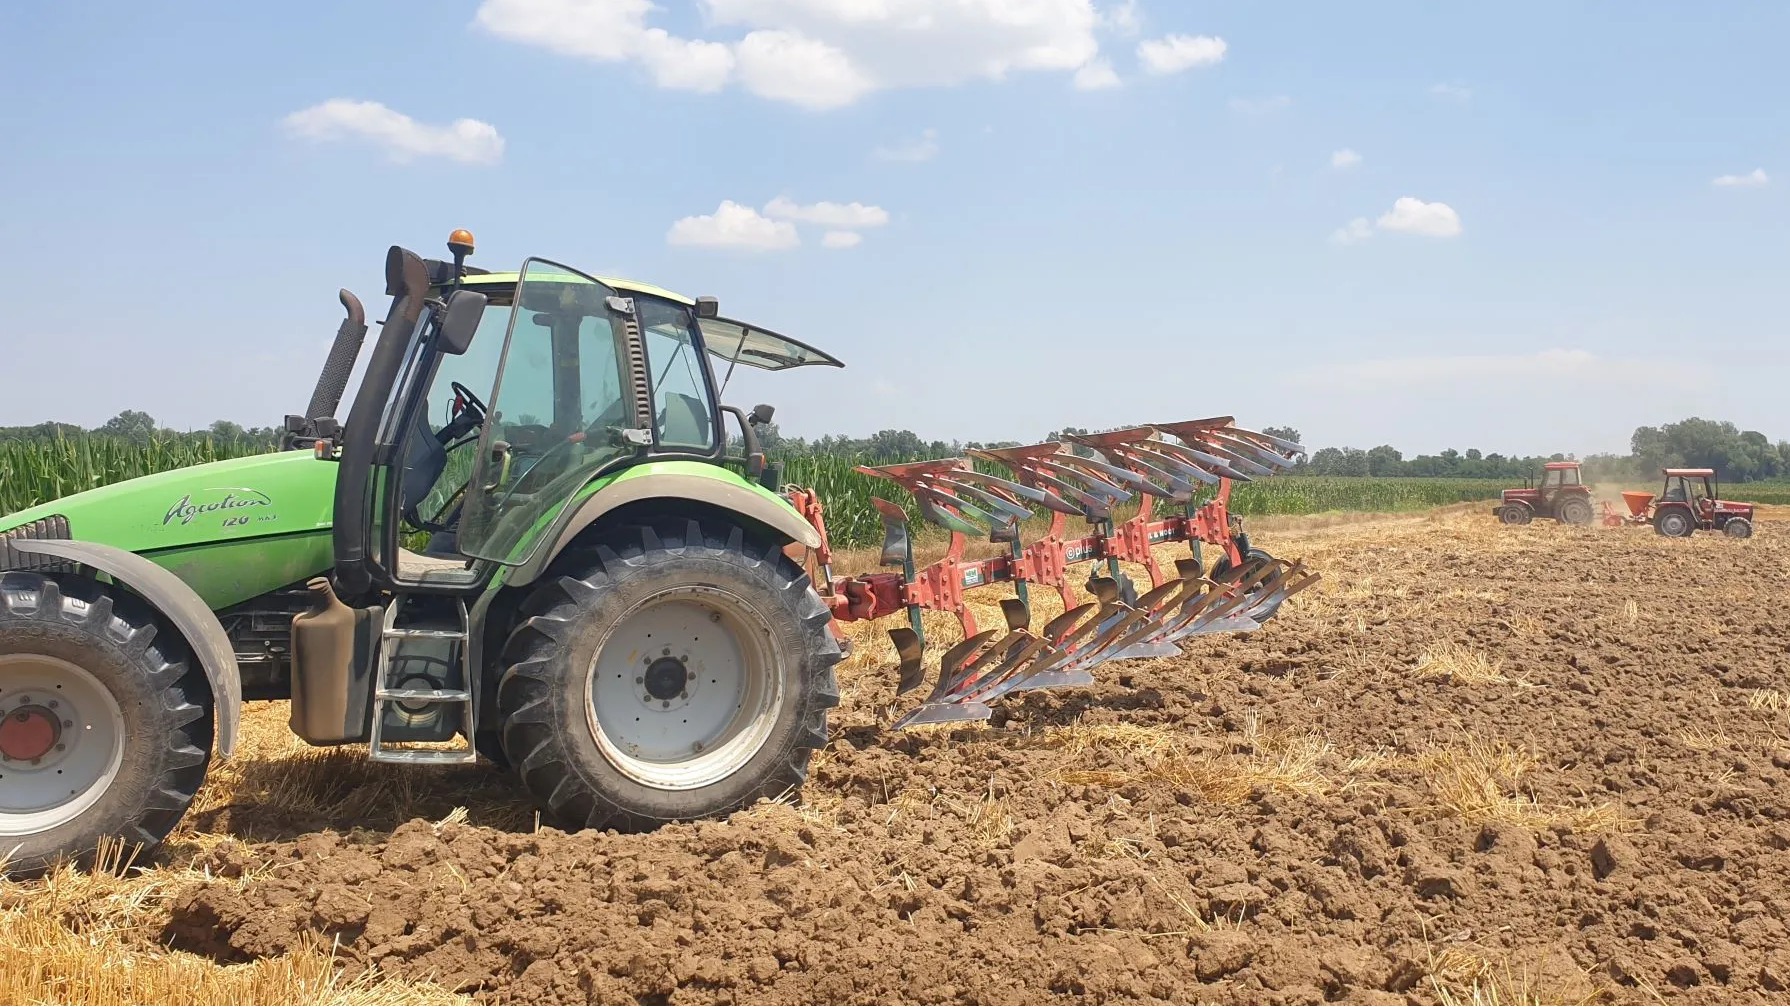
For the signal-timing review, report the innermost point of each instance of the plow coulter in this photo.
(1185, 470)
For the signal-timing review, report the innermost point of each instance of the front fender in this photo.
(171, 597)
(728, 495)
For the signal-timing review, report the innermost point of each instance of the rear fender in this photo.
(172, 598)
(679, 487)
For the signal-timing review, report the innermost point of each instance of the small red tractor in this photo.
(1562, 495)
(1687, 503)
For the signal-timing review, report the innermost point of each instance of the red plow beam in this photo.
(1189, 467)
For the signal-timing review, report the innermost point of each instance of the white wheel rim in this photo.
(82, 757)
(684, 738)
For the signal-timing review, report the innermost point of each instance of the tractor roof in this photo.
(1688, 473)
(510, 279)
(1560, 465)
(727, 339)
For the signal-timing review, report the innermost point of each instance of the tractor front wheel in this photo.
(1515, 514)
(105, 723)
(1575, 511)
(1738, 527)
(1674, 522)
(676, 674)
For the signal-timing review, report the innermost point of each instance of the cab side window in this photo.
(683, 413)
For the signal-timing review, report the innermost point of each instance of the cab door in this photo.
(568, 403)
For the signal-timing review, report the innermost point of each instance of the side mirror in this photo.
(761, 413)
(708, 307)
(460, 320)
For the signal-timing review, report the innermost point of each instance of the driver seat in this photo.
(424, 461)
(684, 422)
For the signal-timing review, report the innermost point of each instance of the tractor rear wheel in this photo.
(1576, 510)
(1674, 522)
(1738, 527)
(677, 673)
(1515, 513)
(105, 723)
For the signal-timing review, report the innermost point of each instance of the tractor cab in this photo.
(1688, 502)
(492, 399)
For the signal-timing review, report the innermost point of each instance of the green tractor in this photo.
(570, 576)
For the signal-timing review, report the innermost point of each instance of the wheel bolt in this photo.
(665, 653)
(665, 704)
(61, 747)
(683, 695)
(690, 674)
(649, 697)
(639, 679)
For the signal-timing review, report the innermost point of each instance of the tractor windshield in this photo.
(557, 413)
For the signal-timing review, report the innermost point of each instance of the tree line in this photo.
(1737, 455)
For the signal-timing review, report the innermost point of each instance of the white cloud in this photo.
(734, 226)
(1259, 106)
(1097, 75)
(468, 141)
(1122, 18)
(1355, 230)
(1454, 91)
(1175, 53)
(1751, 180)
(842, 239)
(1344, 158)
(610, 31)
(923, 149)
(1581, 366)
(817, 54)
(789, 66)
(834, 215)
(1410, 215)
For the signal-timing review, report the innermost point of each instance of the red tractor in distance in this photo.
(1562, 495)
(1687, 503)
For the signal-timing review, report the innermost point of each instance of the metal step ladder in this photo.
(390, 634)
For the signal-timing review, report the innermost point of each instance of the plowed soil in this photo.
(1476, 761)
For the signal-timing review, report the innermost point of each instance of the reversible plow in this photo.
(1184, 469)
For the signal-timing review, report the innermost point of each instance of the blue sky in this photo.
(1064, 212)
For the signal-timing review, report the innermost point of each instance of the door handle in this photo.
(500, 454)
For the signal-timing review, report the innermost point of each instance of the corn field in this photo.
(34, 471)
(31, 472)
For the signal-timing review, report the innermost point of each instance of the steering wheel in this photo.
(465, 400)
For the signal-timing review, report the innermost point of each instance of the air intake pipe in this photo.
(342, 354)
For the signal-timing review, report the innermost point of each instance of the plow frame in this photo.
(1086, 476)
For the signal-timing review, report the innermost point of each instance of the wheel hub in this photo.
(62, 737)
(666, 679)
(683, 689)
(28, 733)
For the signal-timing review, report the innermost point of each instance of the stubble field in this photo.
(1475, 763)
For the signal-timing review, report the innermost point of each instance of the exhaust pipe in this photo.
(342, 354)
